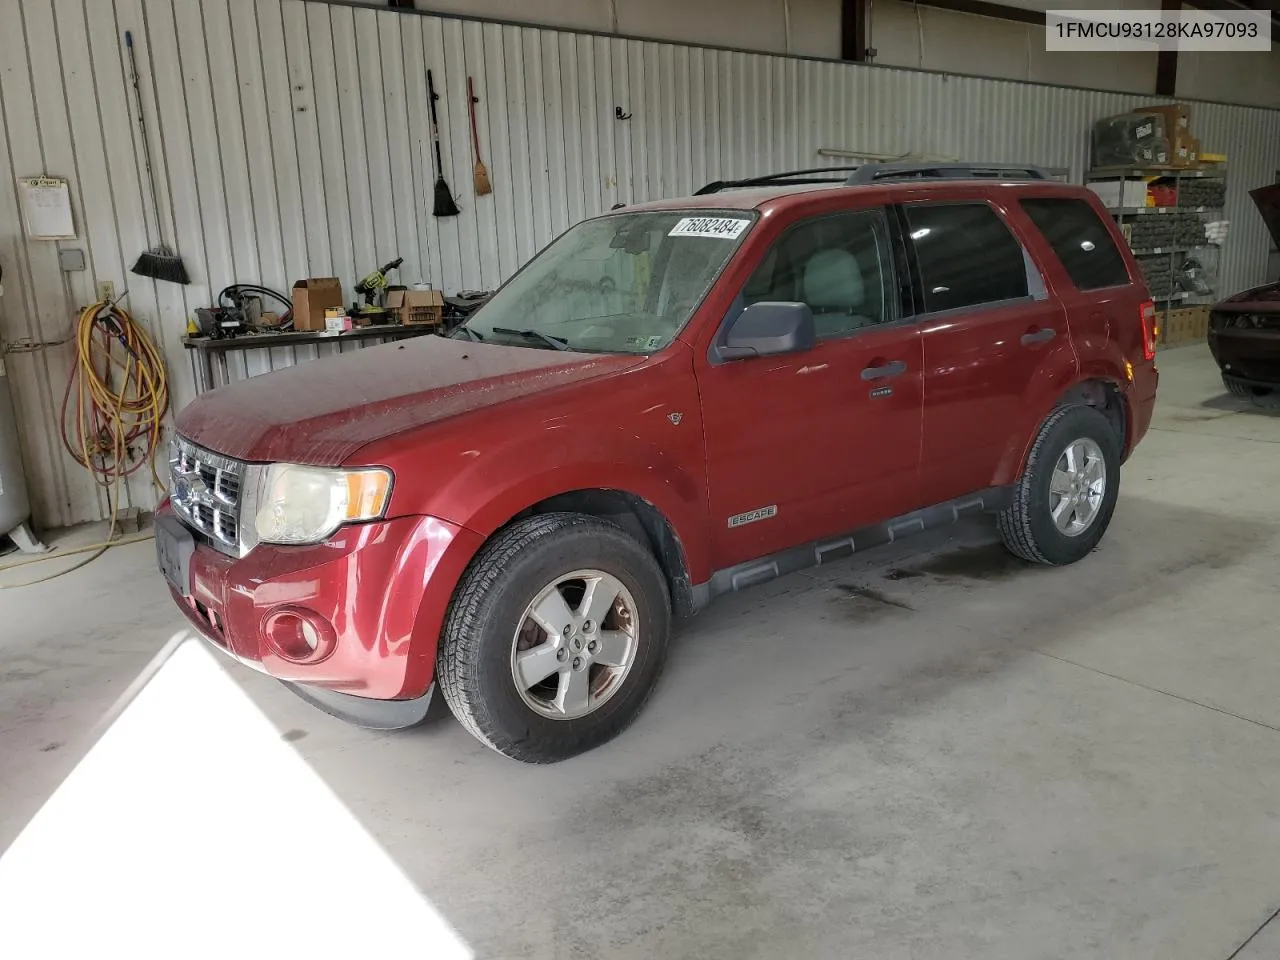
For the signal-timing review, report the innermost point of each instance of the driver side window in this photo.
(838, 265)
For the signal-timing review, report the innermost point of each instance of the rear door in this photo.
(811, 444)
(993, 339)
(1104, 305)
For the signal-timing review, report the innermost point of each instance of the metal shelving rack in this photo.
(1175, 253)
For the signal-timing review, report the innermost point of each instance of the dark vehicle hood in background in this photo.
(320, 412)
(1266, 298)
(1268, 201)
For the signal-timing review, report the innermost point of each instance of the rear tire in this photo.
(1058, 513)
(1236, 388)
(554, 562)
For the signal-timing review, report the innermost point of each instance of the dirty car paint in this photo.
(323, 411)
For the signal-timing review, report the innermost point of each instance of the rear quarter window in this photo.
(1080, 239)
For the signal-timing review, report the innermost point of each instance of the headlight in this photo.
(296, 504)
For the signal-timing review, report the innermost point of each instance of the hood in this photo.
(320, 412)
(1268, 202)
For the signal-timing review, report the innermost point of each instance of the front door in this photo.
(808, 445)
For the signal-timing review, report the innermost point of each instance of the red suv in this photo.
(671, 401)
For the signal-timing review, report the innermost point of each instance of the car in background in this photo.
(670, 402)
(1244, 329)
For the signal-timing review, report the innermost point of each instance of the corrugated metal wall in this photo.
(294, 141)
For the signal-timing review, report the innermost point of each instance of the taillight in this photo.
(1149, 330)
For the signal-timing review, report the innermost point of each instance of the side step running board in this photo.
(755, 572)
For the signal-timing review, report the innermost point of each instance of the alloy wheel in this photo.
(575, 644)
(1077, 487)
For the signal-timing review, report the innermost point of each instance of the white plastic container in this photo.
(15, 506)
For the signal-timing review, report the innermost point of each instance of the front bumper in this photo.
(363, 712)
(1250, 355)
(383, 587)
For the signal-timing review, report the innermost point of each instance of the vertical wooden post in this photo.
(853, 30)
(1167, 60)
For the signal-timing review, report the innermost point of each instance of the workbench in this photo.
(209, 354)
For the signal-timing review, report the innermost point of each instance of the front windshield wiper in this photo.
(469, 332)
(556, 343)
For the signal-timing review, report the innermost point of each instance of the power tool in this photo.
(371, 288)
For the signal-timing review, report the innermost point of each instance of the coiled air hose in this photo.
(116, 398)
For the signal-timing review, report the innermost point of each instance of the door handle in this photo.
(1038, 336)
(894, 369)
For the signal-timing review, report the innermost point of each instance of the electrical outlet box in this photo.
(70, 260)
(106, 290)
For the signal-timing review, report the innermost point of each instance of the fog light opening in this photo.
(310, 636)
(298, 635)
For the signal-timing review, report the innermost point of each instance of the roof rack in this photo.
(876, 172)
(916, 170)
(788, 178)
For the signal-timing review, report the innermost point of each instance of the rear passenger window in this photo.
(1080, 240)
(967, 255)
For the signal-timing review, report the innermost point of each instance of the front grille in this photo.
(204, 488)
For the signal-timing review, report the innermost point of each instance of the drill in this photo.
(372, 285)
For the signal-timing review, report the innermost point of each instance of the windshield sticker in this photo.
(725, 228)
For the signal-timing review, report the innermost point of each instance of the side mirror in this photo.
(766, 329)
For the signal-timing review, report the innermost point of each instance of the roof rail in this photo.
(787, 178)
(917, 170)
(876, 172)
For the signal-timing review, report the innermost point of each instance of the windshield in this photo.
(625, 283)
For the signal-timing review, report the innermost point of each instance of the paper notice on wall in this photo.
(725, 228)
(46, 208)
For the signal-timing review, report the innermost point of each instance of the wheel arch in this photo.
(1103, 393)
(1106, 396)
(640, 518)
(647, 522)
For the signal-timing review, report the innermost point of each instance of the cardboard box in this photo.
(1184, 325)
(310, 298)
(417, 306)
(1128, 192)
(1177, 120)
(1200, 323)
(1186, 153)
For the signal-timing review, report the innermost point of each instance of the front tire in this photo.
(555, 638)
(1238, 388)
(1063, 502)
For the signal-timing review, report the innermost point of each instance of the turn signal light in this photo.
(1149, 330)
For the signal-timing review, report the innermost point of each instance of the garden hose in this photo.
(121, 395)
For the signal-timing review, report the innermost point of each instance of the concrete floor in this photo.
(929, 752)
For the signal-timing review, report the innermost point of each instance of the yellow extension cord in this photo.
(110, 420)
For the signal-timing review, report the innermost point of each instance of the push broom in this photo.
(159, 262)
(483, 186)
(444, 205)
